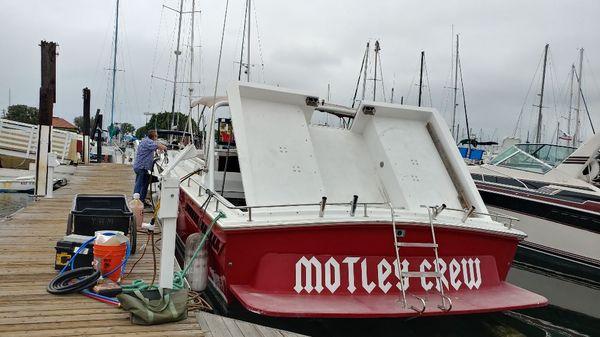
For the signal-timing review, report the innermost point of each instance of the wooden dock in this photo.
(27, 241)
(219, 326)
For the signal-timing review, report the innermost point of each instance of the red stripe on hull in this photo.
(325, 271)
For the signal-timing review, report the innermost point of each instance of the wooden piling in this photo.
(46, 106)
(85, 152)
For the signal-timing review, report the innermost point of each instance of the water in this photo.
(544, 322)
(12, 202)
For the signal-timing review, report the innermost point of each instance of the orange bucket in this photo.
(107, 258)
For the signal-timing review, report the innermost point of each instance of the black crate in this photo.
(66, 248)
(99, 212)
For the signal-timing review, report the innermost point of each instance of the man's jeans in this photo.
(141, 183)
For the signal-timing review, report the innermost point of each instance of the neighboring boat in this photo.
(23, 181)
(378, 220)
(25, 184)
(548, 187)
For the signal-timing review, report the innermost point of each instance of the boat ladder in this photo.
(446, 305)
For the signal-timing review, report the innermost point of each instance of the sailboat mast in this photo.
(364, 86)
(375, 71)
(421, 78)
(248, 41)
(114, 72)
(455, 87)
(570, 100)
(191, 74)
(576, 136)
(538, 132)
(177, 53)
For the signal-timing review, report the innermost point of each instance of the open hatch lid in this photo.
(395, 153)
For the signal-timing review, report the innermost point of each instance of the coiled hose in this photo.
(85, 278)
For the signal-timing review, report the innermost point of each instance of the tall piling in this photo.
(46, 106)
(85, 152)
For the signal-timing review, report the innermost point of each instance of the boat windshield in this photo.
(538, 158)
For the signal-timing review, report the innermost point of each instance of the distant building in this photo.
(62, 124)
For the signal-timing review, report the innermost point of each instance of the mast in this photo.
(191, 75)
(177, 53)
(538, 132)
(570, 100)
(114, 72)
(576, 136)
(375, 71)
(248, 41)
(421, 78)
(455, 86)
(364, 87)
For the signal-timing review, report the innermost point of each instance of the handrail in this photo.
(471, 211)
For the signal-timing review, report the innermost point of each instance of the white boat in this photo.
(549, 189)
(381, 219)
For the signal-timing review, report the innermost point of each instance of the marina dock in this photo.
(27, 241)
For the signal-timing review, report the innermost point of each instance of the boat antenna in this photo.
(114, 73)
(421, 78)
(455, 88)
(576, 135)
(177, 53)
(538, 132)
(364, 86)
(377, 49)
(362, 66)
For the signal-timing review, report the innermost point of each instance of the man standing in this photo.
(144, 160)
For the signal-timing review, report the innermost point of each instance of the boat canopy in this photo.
(537, 158)
(398, 154)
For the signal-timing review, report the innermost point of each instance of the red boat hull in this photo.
(349, 270)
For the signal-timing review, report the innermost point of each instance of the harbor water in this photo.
(551, 321)
(12, 202)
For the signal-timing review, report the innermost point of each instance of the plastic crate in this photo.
(97, 212)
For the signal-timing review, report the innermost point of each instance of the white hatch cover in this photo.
(398, 152)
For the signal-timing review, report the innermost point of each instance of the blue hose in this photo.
(122, 265)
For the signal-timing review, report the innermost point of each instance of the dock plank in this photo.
(27, 240)
(219, 326)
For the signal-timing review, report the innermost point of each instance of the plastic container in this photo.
(197, 275)
(97, 212)
(109, 253)
(66, 248)
(137, 208)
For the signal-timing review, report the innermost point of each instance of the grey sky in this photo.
(306, 45)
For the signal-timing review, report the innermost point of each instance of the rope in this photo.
(526, 96)
(464, 102)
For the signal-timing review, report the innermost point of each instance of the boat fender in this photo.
(198, 271)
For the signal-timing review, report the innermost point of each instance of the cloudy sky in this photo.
(308, 45)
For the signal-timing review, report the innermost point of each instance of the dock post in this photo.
(98, 133)
(46, 106)
(169, 206)
(86, 126)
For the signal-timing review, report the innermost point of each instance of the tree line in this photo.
(161, 121)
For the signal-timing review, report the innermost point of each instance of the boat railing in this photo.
(353, 204)
(20, 140)
(469, 211)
